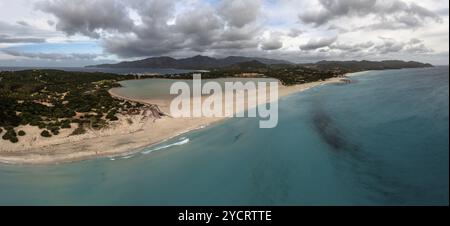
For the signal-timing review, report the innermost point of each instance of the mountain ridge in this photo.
(200, 62)
(196, 62)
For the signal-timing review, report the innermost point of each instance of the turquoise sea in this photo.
(381, 140)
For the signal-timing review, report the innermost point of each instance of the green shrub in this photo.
(11, 136)
(45, 133)
(21, 133)
(78, 131)
(14, 139)
(114, 118)
(7, 128)
(41, 125)
(55, 130)
(112, 115)
(34, 123)
(66, 125)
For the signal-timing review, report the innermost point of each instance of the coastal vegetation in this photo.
(292, 74)
(53, 100)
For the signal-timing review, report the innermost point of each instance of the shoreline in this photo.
(124, 141)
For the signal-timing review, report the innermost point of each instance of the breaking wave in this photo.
(181, 142)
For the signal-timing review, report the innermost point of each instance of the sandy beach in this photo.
(129, 135)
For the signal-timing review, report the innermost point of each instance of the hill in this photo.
(196, 62)
(368, 65)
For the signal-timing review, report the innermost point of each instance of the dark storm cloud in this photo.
(239, 13)
(402, 14)
(272, 44)
(143, 28)
(241, 46)
(198, 29)
(318, 43)
(88, 17)
(161, 28)
(332, 9)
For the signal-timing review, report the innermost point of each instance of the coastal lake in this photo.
(160, 88)
(381, 140)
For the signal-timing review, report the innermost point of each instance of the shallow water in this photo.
(382, 140)
(160, 88)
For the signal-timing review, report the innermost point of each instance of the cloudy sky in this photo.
(82, 32)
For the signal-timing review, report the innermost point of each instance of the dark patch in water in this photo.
(328, 131)
(237, 137)
(368, 170)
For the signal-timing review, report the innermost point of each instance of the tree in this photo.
(55, 131)
(10, 135)
(112, 115)
(21, 133)
(78, 131)
(65, 124)
(45, 133)
(14, 139)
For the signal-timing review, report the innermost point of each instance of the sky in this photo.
(85, 32)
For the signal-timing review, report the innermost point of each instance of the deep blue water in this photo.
(382, 140)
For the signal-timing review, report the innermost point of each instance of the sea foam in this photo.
(182, 142)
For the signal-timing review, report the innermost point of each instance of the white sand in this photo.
(121, 138)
